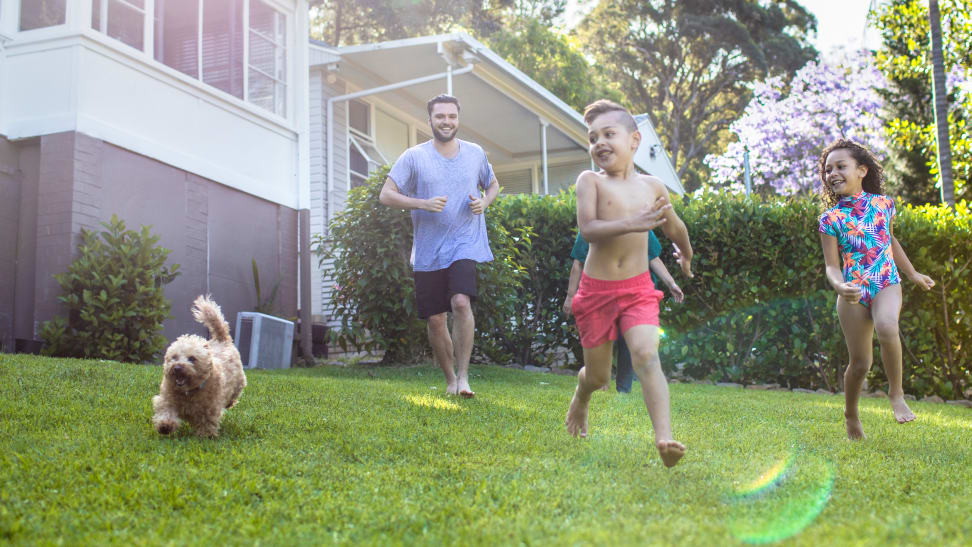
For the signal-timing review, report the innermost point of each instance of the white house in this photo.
(187, 115)
(368, 104)
(220, 125)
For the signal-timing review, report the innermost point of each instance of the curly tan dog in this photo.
(200, 378)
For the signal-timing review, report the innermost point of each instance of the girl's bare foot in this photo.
(901, 411)
(855, 431)
(670, 451)
(576, 421)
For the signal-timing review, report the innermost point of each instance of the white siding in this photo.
(516, 182)
(560, 177)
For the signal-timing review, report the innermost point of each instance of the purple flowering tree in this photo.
(786, 127)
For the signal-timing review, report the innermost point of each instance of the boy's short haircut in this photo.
(603, 106)
(443, 98)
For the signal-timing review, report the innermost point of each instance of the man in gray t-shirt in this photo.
(447, 183)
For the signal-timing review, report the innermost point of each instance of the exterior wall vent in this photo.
(264, 341)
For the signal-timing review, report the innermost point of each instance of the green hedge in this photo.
(759, 309)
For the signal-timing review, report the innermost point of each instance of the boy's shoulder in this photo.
(652, 181)
(587, 177)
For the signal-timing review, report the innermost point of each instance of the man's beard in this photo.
(443, 138)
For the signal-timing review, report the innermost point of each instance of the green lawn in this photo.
(380, 456)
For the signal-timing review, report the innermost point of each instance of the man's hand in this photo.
(849, 290)
(922, 281)
(684, 262)
(436, 204)
(652, 215)
(476, 204)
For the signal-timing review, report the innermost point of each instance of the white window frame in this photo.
(148, 44)
(148, 22)
(370, 135)
(360, 141)
(10, 11)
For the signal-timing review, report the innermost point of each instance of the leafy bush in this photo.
(537, 328)
(113, 293)
(760, 310)
(374, 292)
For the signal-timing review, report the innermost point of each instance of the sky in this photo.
(840, 23)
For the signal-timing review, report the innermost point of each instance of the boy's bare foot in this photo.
(901, 411)
(576, 421)
(462, 387)
(670, 452)
(855, 431)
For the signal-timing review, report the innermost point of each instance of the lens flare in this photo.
(783, 501)
(767, 480)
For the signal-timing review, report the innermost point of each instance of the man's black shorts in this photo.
(434, 290)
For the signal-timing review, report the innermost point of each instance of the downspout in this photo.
(365, 93)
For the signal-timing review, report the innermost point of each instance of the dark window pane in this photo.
(358, 162)
(177, 35)
(358, 117)
(41, 13)
(223, 45)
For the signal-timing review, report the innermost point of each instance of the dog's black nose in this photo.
(178, 370)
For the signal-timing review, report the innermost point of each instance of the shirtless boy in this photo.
(615, 210)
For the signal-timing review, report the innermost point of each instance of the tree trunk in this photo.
(941, 106)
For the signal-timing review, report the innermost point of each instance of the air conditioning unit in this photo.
(264, 341)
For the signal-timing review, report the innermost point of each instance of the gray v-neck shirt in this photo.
(455, 233)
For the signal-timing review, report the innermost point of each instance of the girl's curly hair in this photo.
(874, 179)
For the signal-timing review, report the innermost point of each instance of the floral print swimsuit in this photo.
(860, 224)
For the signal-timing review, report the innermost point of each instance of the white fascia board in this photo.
(319, 55)
(482, 50)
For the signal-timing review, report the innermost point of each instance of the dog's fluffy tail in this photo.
(208, 313)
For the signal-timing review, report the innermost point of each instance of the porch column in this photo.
(543, 154)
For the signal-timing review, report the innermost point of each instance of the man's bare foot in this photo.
(901, 411)
(670, 452)
(576, 421)
(855, 431)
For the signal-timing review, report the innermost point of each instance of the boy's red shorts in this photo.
(600, 307)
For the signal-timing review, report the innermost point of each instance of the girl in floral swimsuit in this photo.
(862, 259)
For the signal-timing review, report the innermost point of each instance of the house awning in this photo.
(513, 117)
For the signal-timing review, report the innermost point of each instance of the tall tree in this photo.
(690, 63)
(552, 59)
(787, 125)
(905, 59)
(943, 145)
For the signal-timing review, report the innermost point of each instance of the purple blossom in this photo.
(785, 129)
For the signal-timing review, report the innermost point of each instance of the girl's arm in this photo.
(835, 275)
(665, 276)
(905, 266)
